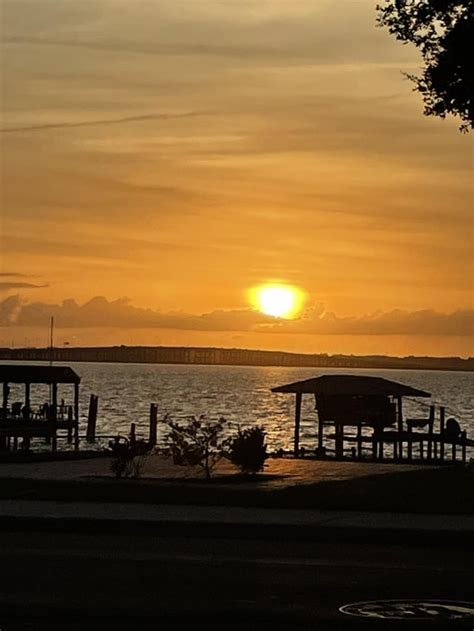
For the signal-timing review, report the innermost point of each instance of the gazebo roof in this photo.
(351, 385)
(19, 373)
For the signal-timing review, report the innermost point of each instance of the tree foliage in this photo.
(443, 31)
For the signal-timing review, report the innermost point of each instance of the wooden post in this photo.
(359, 440)
(92, 418)
(453, 449)
(400, 427)
(441, 432)
(153, 424)
(133, 434)
(430, 432)
(463, 448)
(338, 442)
(76, 416)
(381, 445)
(70, 423)
(297, 424)
(410, 443)
(320, 435)
(6, 390)
(54, 417)
(26, 413)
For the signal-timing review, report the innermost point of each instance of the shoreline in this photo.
(203, 356)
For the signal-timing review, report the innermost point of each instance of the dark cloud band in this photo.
(99, 312)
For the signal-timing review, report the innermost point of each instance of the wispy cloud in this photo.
(13, 275)
(152, 48)
(8, 286)
(104, 121)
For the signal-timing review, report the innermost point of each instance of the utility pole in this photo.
(51, 340)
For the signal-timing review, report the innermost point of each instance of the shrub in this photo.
(197, 442)
(248, 450)
(128, 456)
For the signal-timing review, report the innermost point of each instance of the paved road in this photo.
(72, 581)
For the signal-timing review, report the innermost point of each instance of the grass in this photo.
(446, 490)
(49, 456)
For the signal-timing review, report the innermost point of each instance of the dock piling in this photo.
(92, 418)
(442, 416)
(54, 418)
(430, 432)
(297, 424)
(153, 424)
(70, 420)
(463, 446)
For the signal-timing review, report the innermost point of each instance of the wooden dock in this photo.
(20, 420)
(372, 407)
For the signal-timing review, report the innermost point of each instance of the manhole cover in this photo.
(411, 609)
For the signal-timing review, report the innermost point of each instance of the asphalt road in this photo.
(77, 581)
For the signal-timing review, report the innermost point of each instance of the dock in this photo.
(21, 420)
(366, 420)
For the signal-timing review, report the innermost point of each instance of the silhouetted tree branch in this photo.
(196, 442)
(443, 30)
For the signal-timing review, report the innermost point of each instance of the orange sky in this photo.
(177, 153)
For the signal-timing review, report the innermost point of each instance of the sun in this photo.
(279, 301)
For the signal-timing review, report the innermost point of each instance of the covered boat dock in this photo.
(376, 403)
(21, 419)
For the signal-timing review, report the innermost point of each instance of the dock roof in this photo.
(351, 385)
(19, 373)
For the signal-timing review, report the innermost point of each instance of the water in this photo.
(240, 394)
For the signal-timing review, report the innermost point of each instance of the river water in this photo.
(240, 394)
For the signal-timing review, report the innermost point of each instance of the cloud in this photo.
(16, 285)
(179, 49)
(274, 32)
(102, 313)
(106, 121)
(13, 275)
(8, 285)
(395, 322)
(99, 312)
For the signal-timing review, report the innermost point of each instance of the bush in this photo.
(127, 456)
(248, 450)
(196, 443)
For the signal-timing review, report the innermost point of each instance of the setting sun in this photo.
(280, 301)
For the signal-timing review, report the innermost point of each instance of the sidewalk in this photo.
(235, 522)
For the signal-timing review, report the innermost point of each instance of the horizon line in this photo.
(237, 349)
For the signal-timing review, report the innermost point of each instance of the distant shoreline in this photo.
(231, 357)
